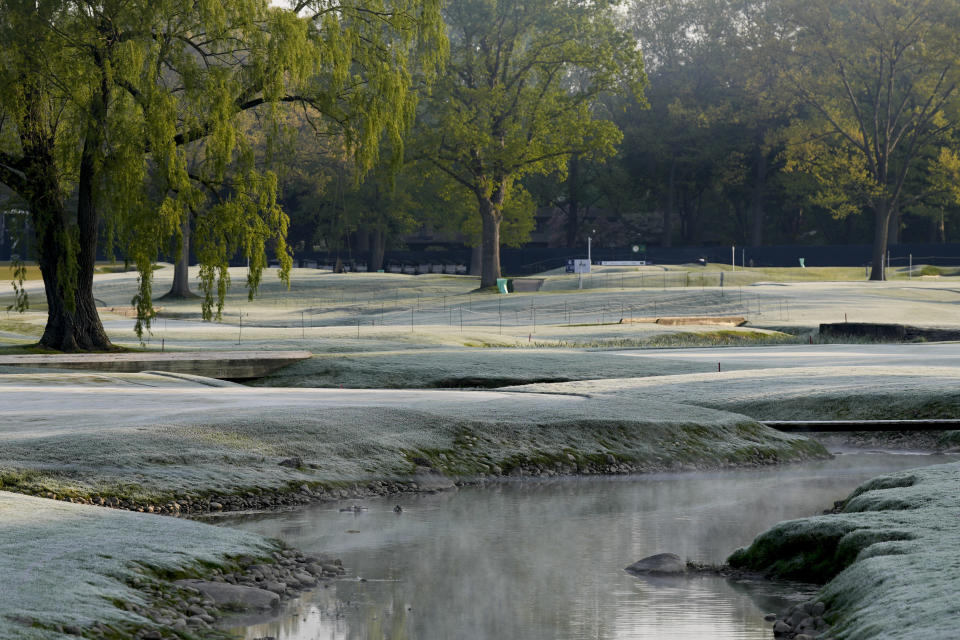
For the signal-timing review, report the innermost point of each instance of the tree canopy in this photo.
(519, 97)
(878, 80)
(128, 111)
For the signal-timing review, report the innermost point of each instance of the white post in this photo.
(733, 258)
(588, 251)
(910, 268)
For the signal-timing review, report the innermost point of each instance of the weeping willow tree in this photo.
(124, 115)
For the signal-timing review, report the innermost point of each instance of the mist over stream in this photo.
(543, 560)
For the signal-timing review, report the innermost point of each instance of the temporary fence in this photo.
(525, 314)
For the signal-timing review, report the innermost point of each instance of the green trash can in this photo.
(502, 285)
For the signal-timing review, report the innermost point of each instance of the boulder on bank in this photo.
(232, 595)
(661, 564)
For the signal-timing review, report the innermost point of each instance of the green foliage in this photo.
(520, 96)
(841, 180)
(702, 156)
(140, 103)
(459, 213)
(878, 81)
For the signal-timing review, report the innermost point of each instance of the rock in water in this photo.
(662, 564)
(235, 596)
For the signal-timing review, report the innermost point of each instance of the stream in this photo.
(544, 559)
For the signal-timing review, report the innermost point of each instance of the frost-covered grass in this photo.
(797, 393)
(170, 438)
(891, 554)
(322, 310)
(67, 564)
(182, 439)
(20, 328)
(450, 367)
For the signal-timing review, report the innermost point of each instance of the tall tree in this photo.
(104, 98)
(711, 114)
(879, 79)
(519, 97)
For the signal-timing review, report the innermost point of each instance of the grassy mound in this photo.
(890, 556)
(797, 393)
(66, 564)
(188, 439)
(449, 368)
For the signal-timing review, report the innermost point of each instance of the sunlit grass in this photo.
(11, 323)
(7, 272)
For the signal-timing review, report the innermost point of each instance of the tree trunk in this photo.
(180, 289)
(378, 246)
(72, 320)
(491, 216)
(759, 187)
(696, 214)
(361, 241)
(933, 231)
(893, 227)
(881, 220)
(573, 201)
(476, 260)
(667, 237)
(67, 255)
(66, 258)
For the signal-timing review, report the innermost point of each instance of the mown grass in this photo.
(25, 349)
(13, 324)
(7, 273)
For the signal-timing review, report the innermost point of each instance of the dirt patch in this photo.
(735, 321)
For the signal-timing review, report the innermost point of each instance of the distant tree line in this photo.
(248, 129)
(759, 122)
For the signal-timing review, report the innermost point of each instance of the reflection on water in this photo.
(544, 560)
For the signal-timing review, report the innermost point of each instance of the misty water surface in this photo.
(543, 560)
